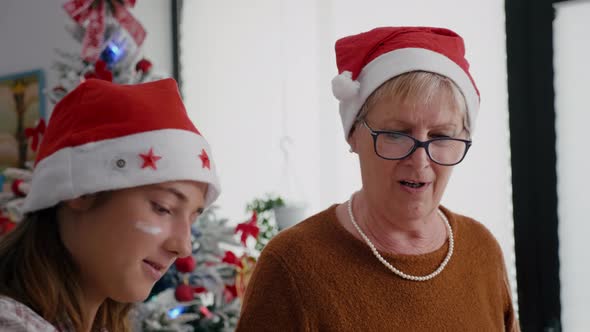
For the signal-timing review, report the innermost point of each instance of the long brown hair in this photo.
(37, 270)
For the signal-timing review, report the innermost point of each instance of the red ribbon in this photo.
(248, 228)
(92, 13)
(36, 133)
(231, 258)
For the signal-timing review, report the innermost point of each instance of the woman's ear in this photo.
(352, 140)
(82, 203)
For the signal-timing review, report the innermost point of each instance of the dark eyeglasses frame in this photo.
(417, 144)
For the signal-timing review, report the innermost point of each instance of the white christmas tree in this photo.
(200, 292)
(203, 292)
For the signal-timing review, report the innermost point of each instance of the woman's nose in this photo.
(179, 241)
(419, 158)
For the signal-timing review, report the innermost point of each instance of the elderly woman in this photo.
(391, 258)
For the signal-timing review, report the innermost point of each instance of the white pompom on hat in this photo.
(367, 60)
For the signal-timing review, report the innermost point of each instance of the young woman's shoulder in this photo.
(17, 317)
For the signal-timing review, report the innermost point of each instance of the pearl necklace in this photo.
(391, 267)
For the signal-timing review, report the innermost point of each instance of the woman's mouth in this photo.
(153, 269)
(411, 184)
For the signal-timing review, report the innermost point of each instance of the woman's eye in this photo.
(394, 136)
(160, 209)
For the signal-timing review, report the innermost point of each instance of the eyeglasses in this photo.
(393, 145)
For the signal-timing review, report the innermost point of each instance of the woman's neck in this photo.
(393, 234)
(90, 309)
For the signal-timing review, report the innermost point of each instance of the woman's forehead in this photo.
(396, 110)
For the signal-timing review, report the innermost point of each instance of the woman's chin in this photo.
(415, 209)
(133, 294)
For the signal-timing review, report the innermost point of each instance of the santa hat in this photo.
(104, 136)
(369, 59)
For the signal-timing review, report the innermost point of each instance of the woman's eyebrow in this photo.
(173, 191)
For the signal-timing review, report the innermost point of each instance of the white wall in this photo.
(571, 54)
(30, 31)
(246, 89)
(259, 70)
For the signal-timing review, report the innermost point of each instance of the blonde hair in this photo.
(418, 87)
(37, 270)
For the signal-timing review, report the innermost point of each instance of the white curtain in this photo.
(257, 71)
(571, 53)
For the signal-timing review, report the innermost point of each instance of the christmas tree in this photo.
(111, 40)
(202, 292)
(14, 186)
(199, 292)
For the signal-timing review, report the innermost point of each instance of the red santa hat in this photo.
(105, 136)
(367, 60)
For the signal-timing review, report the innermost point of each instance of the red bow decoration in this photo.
(249, 228)
(231, 258)
(185, 293)
(19, 188)
(90, 14)
(36, 133)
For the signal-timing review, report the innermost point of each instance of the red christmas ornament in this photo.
(90, 74)
(100, 72)
(230, 292)
(199, 289)
(186, 264)
(205, 159)
(249, 228)
(143, 66)
(149, 159)
(17, 186)
(6, 225)
(184, 293)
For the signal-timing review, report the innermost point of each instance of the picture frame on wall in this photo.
(22, 106)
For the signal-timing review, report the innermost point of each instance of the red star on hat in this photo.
(205, 159)
(150, 159)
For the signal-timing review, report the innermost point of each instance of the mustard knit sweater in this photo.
(316, 276)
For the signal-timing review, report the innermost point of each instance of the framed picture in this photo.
(21, 106)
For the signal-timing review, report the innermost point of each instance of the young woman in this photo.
(120, 176)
